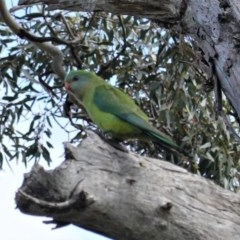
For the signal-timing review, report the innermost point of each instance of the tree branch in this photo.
(125, 196)
(56, 54)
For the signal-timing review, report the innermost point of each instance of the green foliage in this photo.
(156, 67)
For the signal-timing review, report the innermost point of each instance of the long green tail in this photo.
(163, 141)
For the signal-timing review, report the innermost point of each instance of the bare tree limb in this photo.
(125, 196)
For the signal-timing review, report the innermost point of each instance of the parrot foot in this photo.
(114, 142)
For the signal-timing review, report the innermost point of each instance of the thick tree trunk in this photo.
(124, 196)
(214, 24)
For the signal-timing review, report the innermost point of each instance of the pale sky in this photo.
(16, 225)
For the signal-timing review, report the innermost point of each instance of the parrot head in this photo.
(79, 81)
(74, 79)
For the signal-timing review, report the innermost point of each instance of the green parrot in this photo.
(112, 110)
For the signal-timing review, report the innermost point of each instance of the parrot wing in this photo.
(111, 100)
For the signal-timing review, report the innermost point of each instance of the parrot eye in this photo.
(75, 78)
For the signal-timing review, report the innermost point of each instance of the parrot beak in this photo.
(67, 86)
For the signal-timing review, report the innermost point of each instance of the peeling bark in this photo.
(125, 196)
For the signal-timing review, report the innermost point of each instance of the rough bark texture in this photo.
(214, 24)
(124, 196)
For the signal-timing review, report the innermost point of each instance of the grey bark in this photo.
(125, 196)
(213, 24)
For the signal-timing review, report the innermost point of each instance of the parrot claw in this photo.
(114, 142)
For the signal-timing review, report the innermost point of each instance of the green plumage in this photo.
(112, 110)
